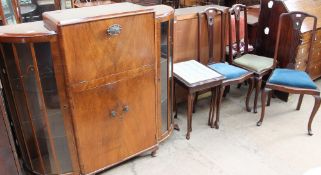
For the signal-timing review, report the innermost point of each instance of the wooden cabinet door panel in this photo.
(98, 134)
(104, 139)
(90, 53)
(139, 123)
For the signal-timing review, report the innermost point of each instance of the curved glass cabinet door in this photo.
(30, 72)
(166, 85)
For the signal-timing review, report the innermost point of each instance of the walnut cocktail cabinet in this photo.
(88, 86)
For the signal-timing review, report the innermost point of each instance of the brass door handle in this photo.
(113, 113)
(126, 108)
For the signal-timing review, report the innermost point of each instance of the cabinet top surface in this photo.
(75, 15)
(32, 29)
(161, 10)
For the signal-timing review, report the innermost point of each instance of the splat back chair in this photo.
(232, 74)
(259, 65)
(289, 80)
(181, 70)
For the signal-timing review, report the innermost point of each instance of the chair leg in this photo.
(257, 90)
(226, 90)
(176, 127)
(195, 101)
(174, 101)
(190, 100)
(249, 93)
(220, 91)
(263, 101)
(213, 96)
(269, 98)
(314, 111)
(298, 107)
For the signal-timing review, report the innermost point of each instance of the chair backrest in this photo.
(210, 14)
(234, 19)
(289, 29)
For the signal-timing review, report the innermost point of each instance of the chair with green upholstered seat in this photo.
(289, 80)
(259, 65)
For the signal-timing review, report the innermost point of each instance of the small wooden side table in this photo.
(195, 77)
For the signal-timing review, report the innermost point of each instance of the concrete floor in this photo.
(280, 146)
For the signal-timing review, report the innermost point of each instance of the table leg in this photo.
(190, 100)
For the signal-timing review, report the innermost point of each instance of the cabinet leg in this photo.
(154, 152)
(176, 127)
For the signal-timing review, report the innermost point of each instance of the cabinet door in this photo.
(115, 121)
(90, 53)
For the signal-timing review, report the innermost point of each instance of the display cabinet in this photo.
(165, 25)
(89, 87)
(21, 11)
(27, 51)
(9, 14)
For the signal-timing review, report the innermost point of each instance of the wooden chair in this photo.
(259, 65)
(232, 74)
(194, 88)
(289, 80)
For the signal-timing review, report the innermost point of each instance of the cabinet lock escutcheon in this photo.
(114, 30)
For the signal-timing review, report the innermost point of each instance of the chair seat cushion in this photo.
(292, 78)
(229, 71)
(254, 62)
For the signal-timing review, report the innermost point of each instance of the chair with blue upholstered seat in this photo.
(232, 74)
(261, 66)
(289, 80)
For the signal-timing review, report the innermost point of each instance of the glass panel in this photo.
(38, 141)
(33, 103)
(163, 75)
(31, 10)
(21, 105)
(170, 69)
(50, 93)
(8, 11)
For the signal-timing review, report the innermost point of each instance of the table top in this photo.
(193, 73)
